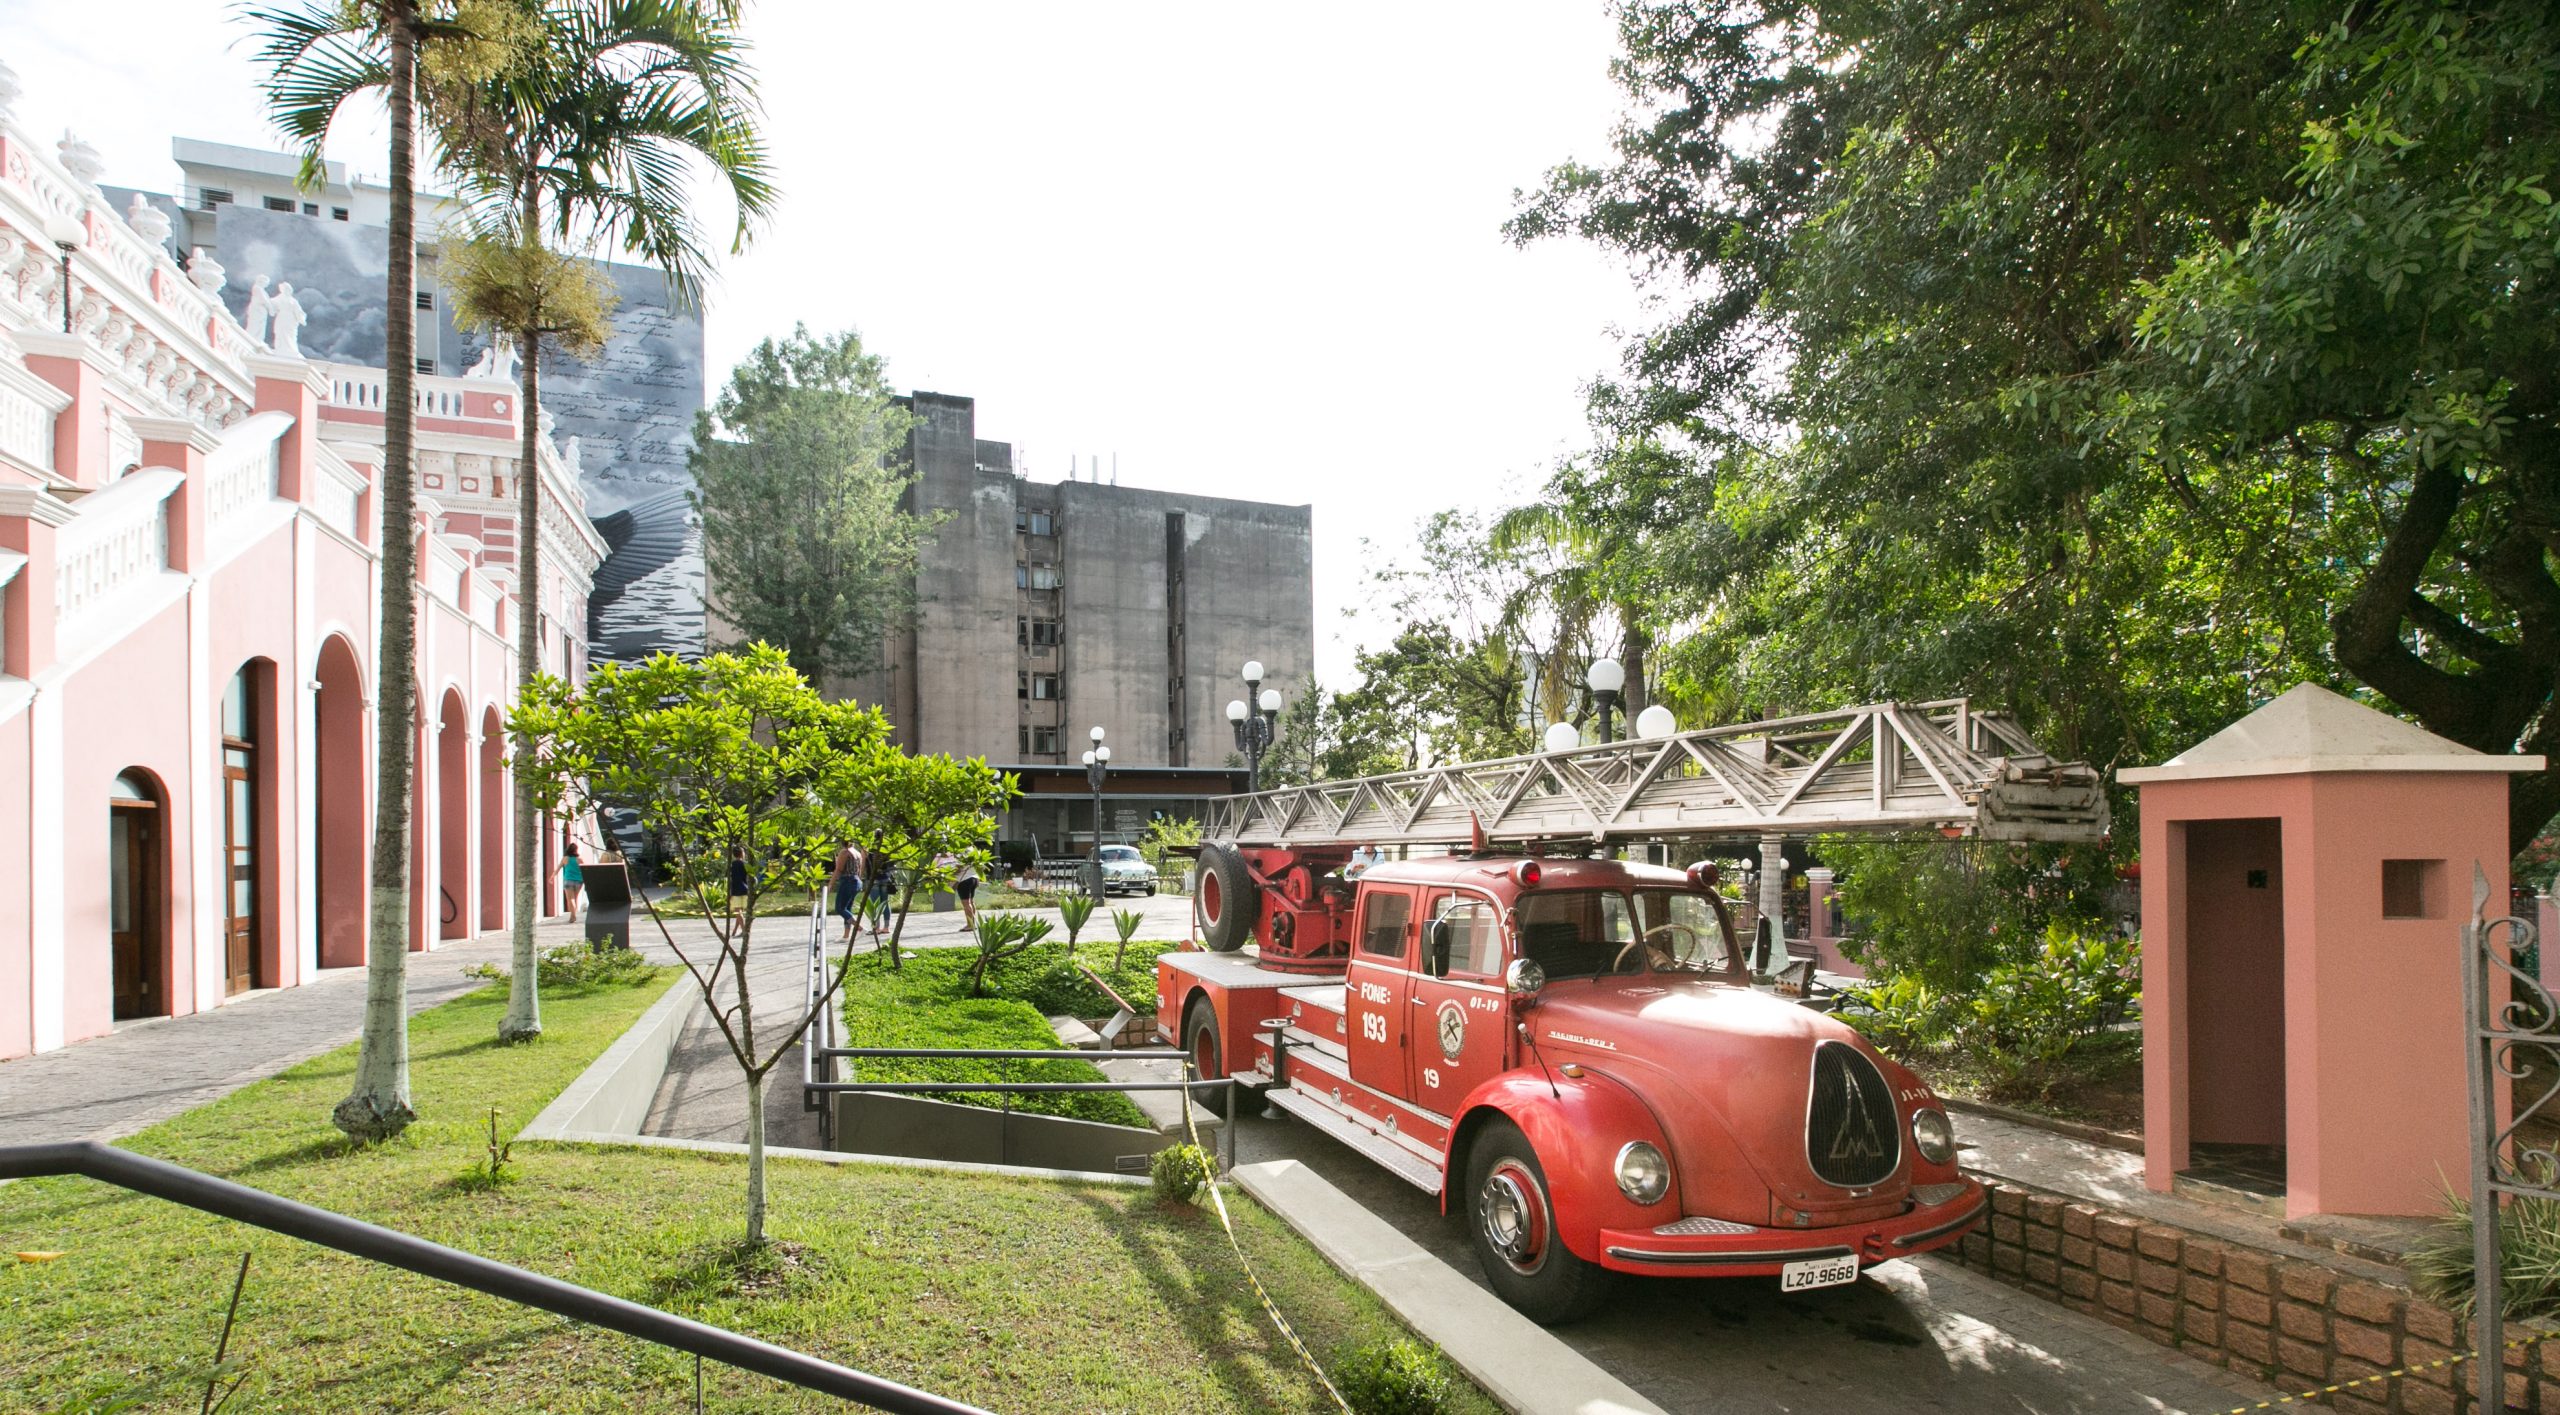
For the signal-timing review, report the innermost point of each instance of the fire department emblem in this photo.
(1856, 1137)
(1453, 1030)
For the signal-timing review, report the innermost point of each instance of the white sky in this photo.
(1252, 252)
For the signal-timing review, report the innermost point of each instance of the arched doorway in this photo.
(248, 837)
(453, 820)
(138, 894)
(342, 886)
(493, 822)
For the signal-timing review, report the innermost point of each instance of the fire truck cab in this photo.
(1572, 1054)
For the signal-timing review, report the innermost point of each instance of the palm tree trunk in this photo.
(523, 1021)
(378, 1108)
(524, 1001)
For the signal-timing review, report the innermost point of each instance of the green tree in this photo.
(732, 758)
(588, 135)
(319, 56)
(926, 806)
(2120, 365)
(799, 476)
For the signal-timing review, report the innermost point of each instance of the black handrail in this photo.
(207, 1194)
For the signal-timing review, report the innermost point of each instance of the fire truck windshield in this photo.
(1587, 933)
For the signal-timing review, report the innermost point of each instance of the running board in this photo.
(1401, 1163)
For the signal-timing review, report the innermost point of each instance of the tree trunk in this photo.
(755, 1159)
(524, 997)
(378, 1108)
(905, 901)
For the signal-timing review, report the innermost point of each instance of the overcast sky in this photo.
(1252, 252)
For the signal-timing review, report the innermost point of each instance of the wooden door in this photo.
(134, 909)
(240, 872)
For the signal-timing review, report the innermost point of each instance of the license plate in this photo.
(1818, 1272)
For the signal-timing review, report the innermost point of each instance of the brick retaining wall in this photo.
(2290, 1322)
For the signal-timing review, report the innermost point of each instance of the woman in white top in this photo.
(964, 882)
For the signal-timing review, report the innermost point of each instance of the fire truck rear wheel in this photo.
(1511, 1221)
(1230, 902)
(1206, 1046)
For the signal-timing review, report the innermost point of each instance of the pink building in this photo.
(190, 589)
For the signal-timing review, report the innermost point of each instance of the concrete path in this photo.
(145, 1072)
(1912, 1336)
(704, 1094)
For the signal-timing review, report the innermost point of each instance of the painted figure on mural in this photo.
(289, 319)
(254, 318)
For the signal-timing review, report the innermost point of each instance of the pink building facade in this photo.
(190, 598)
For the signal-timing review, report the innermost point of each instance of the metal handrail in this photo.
(1009, 1089)
(391, 1248)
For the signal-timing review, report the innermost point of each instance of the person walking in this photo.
(847, 883)
(964, 882)
(572, 879)
(737, 887)
(875, 893)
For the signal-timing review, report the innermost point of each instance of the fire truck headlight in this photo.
(1643, 1175)
(1935, 1139)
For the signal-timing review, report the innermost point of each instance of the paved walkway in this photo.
(145, 1072)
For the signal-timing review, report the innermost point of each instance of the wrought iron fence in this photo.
(2512, 1045)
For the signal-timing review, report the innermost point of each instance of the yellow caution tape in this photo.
(1219, 1203)
(38, 1257)
(2455, 1359)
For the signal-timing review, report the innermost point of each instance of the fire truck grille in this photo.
(1850, 1135)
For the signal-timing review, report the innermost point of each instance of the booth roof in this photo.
(2310, 729)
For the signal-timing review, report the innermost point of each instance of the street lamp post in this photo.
(1256, 720)
(1097, 765)
(1605, 678)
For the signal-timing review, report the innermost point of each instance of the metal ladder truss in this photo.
(1881, 767)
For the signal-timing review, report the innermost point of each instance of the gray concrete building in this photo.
(1046, 609)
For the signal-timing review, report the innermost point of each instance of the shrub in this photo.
(1401, 1377)
(1899, 1014)
(2528, 1259)
(1950, 911)
(1001, 936)
(1124, 922)
(1050, 982)
(1179, 1171)
(578, 965)
(1164, 835)
(1075, 910)
(2035, 1012)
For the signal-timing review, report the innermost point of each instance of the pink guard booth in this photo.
(2305, 876)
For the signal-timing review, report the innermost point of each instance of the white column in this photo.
(46, 826)
(1773, 896)
(205, 936)
(304, 943)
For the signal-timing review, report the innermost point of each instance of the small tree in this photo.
(733, 757)
(1124, 922)
(922, 807)
(1077, 911)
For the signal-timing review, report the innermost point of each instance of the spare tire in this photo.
(1230, 902)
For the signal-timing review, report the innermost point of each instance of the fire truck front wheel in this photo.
(1511, 1220)
(1230, 902)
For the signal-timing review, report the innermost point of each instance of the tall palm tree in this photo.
(592, 136)
(320, 55)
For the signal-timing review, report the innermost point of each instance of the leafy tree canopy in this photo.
(2121, 363)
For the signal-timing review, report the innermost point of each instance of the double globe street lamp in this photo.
(1256, 726)
(1607, 680)
(1097, 765)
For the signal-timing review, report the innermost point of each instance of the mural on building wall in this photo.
(630, 408)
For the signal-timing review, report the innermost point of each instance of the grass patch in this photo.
(1015, 1294)
(781, 903)
(926, 1004)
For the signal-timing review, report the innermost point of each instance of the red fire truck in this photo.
(1571, 1051)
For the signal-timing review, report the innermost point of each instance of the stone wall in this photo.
(2296, 1324)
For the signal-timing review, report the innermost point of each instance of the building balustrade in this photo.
(336, 495)
(26, 428)
(243, 473)
(367, 389)
(121, 536)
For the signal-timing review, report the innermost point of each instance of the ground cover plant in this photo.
(926, 1003)
(1018, 1295)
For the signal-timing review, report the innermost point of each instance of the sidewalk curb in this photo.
(1524, 1367)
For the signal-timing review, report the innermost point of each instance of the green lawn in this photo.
(1015, 1294)
(925, 1003)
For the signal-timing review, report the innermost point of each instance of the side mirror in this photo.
(1523, 979)
(1436, 961)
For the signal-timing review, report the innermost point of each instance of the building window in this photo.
(2413, 889)
(279, 203)
(1044, 741)
(1021, 576)
(1044, 687)
(426, 366)
(1044, 633)
(311, 208)
(1038, 523)
(1024, 739)
(1022, 684)
(426, 299)
(211, 197)
(1044, 577)
(337, 213)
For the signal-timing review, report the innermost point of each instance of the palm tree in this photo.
(590, 136)
(320, 54)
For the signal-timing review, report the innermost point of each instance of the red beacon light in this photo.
(1526, 874)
